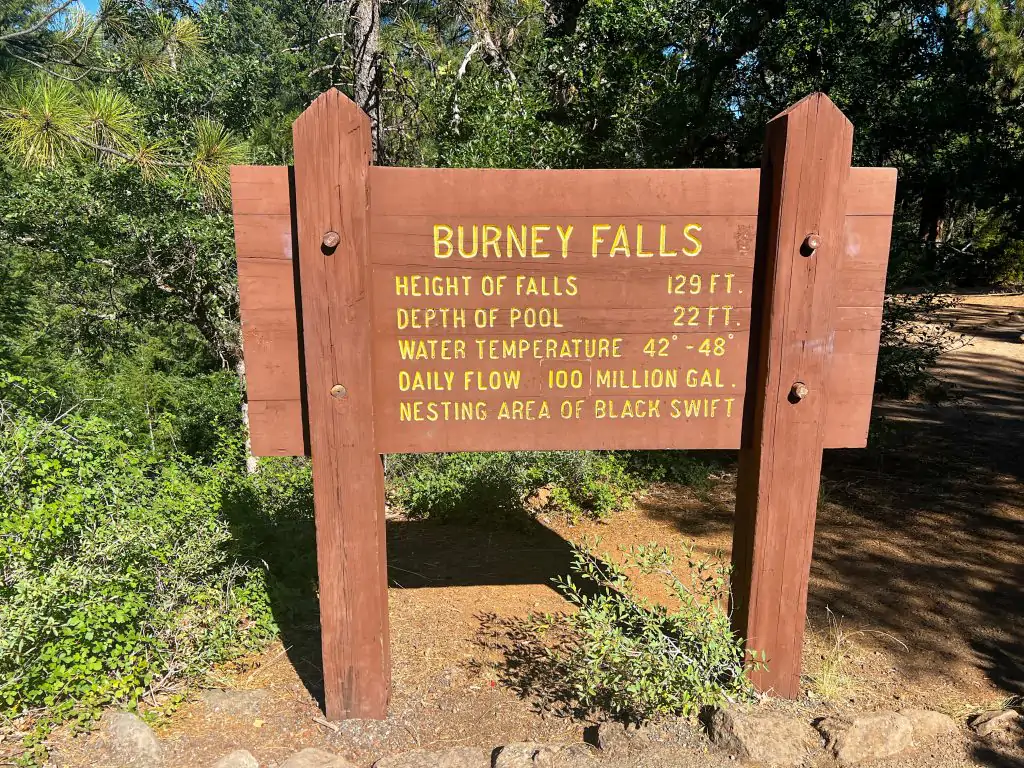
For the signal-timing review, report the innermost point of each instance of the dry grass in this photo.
(832, 678)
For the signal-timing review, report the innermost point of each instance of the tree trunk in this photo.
(252, 464)
(933, 213)
(366, 14)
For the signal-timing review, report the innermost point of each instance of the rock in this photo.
(235, 703)
(539, 499)
(1000, 726)
(883, 734)
(370, 738)
(532, 755)
(240, 758)
(316, 758)
(458, 757)
(618, 740)
(928, 725)
(614, 739)
(867, 737)
(770, 739)
(131, 740)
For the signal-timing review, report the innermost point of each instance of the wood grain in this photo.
(472, 192)
(858, 316)
(260, 190)
(398, 239)
(332, 158)
(277, 434)
(267, 290)
(805, 188)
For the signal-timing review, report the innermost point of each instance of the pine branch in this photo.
(39, 24)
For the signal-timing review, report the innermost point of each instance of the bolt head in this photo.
(331, 240)
(812, 242)
(338, 391)
(799, 391)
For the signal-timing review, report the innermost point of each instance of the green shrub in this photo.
(473, 485)
(1010, 265)
(272, 521)
(912, 339)
(636, 659)
(116, 576)
(684, 467)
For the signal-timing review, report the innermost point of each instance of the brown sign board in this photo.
(599, 346)
(399, 310)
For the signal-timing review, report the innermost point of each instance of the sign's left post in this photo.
(332, 164)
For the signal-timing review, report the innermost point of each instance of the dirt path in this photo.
(919, 559)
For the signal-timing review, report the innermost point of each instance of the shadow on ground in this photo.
(421, 554)
(994, 758)
(922, 534)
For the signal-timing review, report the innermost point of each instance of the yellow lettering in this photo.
(491, 236)
(442, 240)
(596, 239)
(621, 242)
(640, 252)
(536, 241)
(564, 235)
(519, 240)
(662, 250)
(462, 243)
(696, 241)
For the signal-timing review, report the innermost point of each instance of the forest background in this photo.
(134, 528)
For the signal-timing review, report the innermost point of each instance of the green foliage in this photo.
(1001, 29)
(684, 467)
(638, 659)
(477, 485)
(911, 342)
(116, 575)
(45, 122)
(107, 261)
(272, 525)
(119, 291)
(42, 121)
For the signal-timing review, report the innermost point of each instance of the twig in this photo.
(38, 25)
(326, 723)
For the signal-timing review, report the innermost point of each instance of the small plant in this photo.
(687, 468)
(830, 679)
(637, 659)
(473, 485)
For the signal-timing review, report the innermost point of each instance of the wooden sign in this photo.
(399, 310)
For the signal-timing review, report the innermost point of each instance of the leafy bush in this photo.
(116, 577)
(911, 342)
(637, 659)
(684, 467)
(471, 485)
(272, 521)
(1010, 265)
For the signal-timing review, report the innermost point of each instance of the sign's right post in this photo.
(804, 178)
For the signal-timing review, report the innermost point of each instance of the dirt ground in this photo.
(916, 594)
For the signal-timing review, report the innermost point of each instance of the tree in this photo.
(67, 105)
(1001, 28)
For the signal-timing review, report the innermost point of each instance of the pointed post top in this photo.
(815, 103)
(337, 103)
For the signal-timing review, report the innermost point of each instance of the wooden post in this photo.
(332, 162)
(804, 179)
